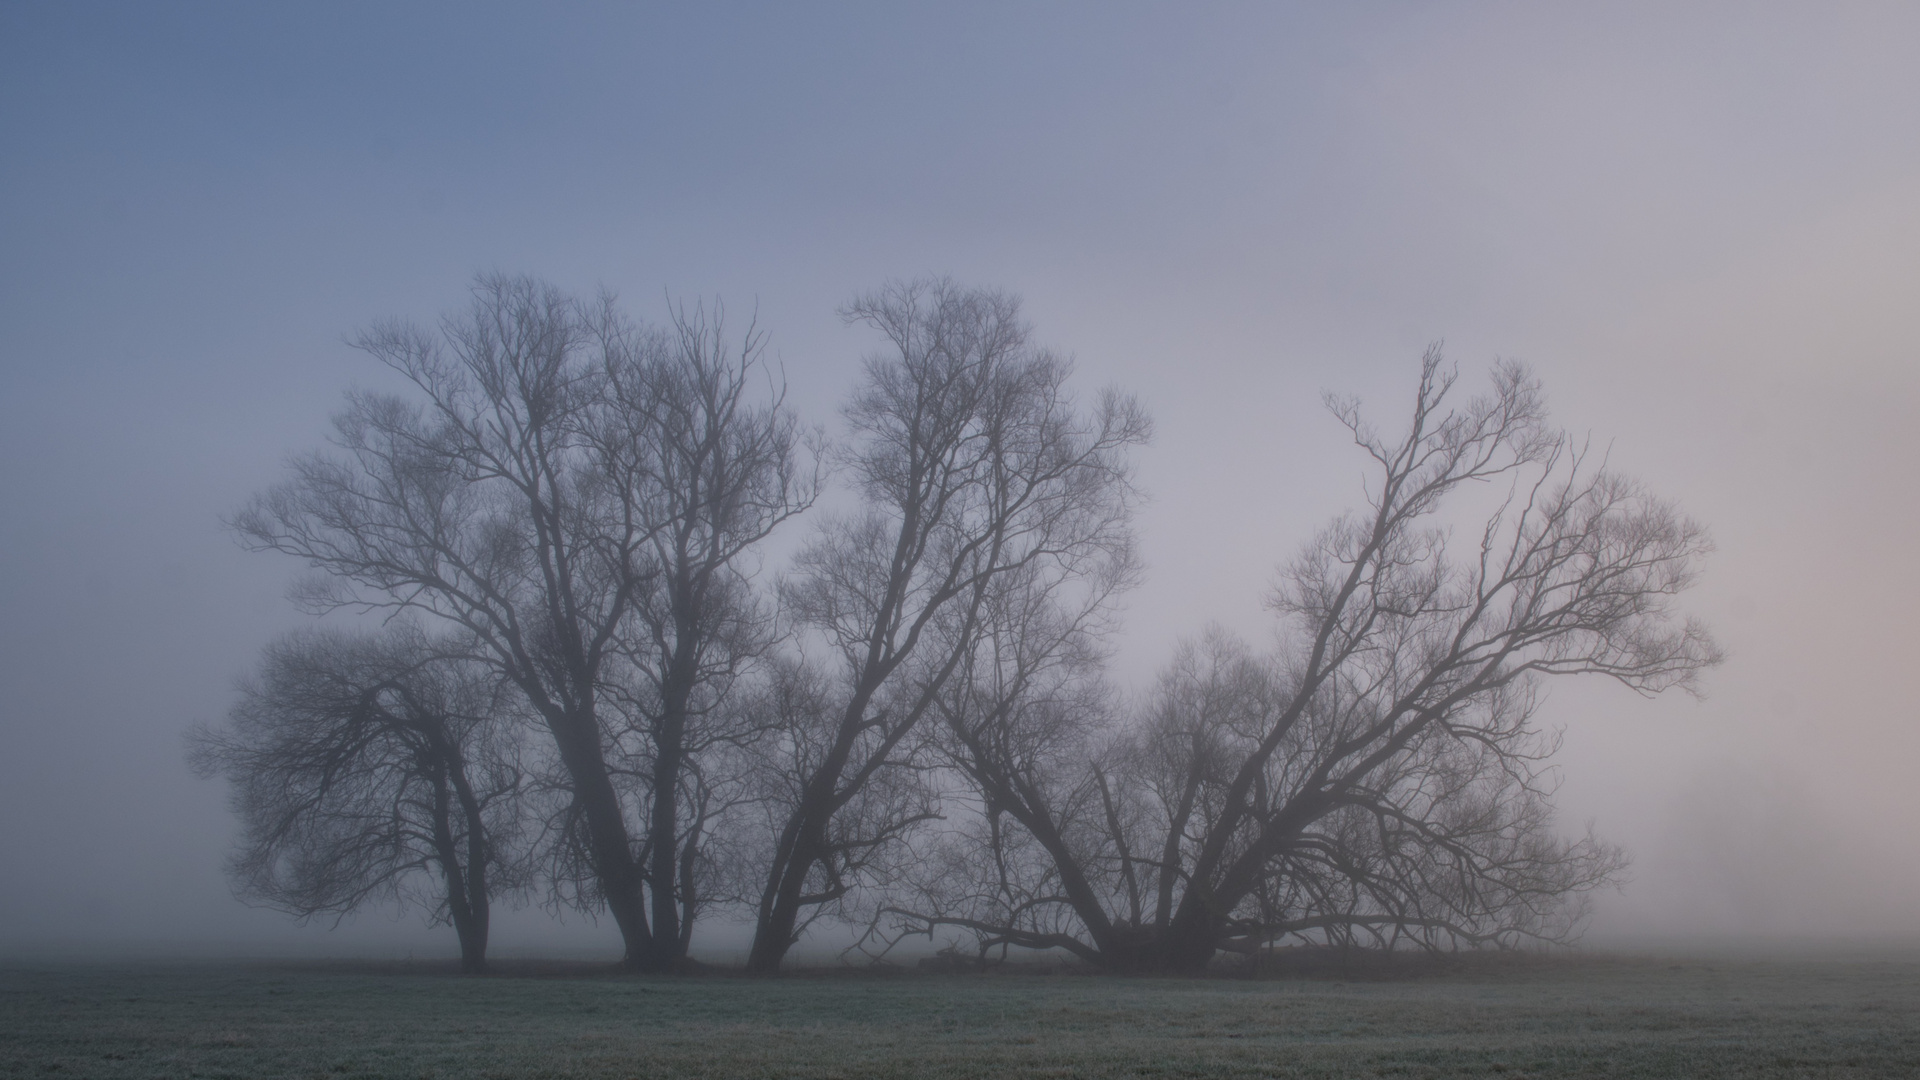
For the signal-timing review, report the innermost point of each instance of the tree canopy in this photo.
(592, 685)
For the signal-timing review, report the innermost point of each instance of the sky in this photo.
(1700, 224)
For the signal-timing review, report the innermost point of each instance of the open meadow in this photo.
(1590, 1017)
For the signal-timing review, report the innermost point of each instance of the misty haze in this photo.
(1046, 540)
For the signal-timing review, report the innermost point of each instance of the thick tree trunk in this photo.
(1187, 944)
(466, 885)
(665, 946)
(1147, 951)
(803, 841)
(669, 939)
(802, 844)
(774, 932)
(473, 934)
(471, 928)
(614, 867)
(1188, 949)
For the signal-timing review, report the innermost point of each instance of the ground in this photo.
(1568, 1018)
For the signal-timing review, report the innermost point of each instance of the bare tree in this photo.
(1380, 778)
(523, 498)
(974, 464)
(369, 766)
(724, 472)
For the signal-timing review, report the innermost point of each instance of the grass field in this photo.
(1585, 1018)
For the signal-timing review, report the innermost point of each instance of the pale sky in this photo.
(1699, 223)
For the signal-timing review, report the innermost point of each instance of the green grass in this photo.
(1586, 1018)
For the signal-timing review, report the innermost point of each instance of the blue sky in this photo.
(1700, 223)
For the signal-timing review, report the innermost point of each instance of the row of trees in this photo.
(583, 683)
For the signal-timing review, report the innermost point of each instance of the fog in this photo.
(1700, 226)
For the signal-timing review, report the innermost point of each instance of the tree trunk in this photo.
(466, 886)
(473, 932)
(1188, 949)
(774, 933)
(1144, 950)
(614, 868)
(689, 852)
(803, 841)
(1191, 937)
(471, 927)
(665, 947)
(669, 937)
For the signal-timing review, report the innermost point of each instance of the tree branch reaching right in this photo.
(1379, 779)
